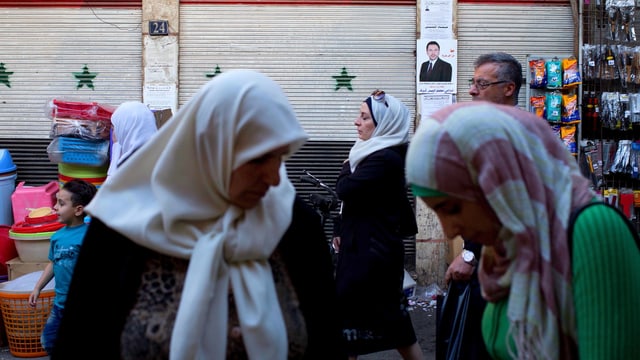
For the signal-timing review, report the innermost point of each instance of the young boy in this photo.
(63, 252)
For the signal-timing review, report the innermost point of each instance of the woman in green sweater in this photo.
(499, 176)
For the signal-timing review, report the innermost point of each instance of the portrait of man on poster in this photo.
(435, 68)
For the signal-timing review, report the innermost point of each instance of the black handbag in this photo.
(450, 321)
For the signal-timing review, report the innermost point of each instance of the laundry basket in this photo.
(24, 323)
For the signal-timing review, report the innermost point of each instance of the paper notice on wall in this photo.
(161, 96)
(430, 103)
(436, 19)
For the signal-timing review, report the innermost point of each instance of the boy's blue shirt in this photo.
(63, 253)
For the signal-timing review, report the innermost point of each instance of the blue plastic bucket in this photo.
(7, 186)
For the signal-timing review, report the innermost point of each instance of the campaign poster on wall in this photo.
(437, 61)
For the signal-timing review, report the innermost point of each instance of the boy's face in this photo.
(68, 214)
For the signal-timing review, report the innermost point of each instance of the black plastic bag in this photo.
(450, 321)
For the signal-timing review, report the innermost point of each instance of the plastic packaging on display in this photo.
(86, 120)
(80, 110)
(84, 129)
(78, 151)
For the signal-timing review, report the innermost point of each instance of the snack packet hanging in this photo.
(554, 74)
(568, 135)
(570, 111)
(570, 72)
(553, 106)
(538, 74)
(536, 105)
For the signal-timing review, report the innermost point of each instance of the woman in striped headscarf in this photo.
(498, 176)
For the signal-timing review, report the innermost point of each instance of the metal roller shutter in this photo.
(303, 47)
(513, 29)
(43, 46)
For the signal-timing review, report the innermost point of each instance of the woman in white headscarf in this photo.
(376, 216)
(133, 124)
(194, 217)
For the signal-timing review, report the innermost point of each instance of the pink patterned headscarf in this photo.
(511, 160)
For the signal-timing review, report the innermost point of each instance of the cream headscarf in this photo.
(511, 160)
(133, 124)
(172, 196)
(392, 129)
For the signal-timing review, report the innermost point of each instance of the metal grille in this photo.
(30, 156)
(324, 160)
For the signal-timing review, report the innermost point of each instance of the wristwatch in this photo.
(469, 257)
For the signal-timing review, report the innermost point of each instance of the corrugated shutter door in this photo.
(43, 47)
(302, 47)
(517, 30)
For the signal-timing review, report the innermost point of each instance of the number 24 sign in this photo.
(158, 27)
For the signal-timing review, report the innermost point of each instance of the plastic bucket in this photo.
(7, 186)
(7, 249)
(25, 198)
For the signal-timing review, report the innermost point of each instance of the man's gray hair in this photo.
(510, 68)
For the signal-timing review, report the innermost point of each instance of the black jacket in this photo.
(441, 71)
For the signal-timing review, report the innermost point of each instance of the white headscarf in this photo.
(133, 124)
(392, 129)
(172, 197)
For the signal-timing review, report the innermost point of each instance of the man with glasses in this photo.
(435, 69)
(497, 78)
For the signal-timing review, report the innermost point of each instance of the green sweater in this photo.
(606, 286)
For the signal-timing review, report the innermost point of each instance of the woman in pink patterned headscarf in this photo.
(499, 176)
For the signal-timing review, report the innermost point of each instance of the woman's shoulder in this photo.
(602, 231)
(396, 152)
(598, 217)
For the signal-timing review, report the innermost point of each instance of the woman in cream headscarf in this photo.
(376, 216)
(197, 213)
(499, 176)
(133, 124)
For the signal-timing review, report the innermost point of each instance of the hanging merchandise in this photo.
(570, 111)
(590, 56)
(611, 101)
(634, 108)
(554, 74)
(538, 73)
(568, 135)
(552, 93)
(570, 72)
(537, 105)
(622, 159)
(620, 15)
(608, 69)
(553, 106)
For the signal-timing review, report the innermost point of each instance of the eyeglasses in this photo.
(482, 85)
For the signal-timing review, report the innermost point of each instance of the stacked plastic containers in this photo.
(35, 220)
(80, 140)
